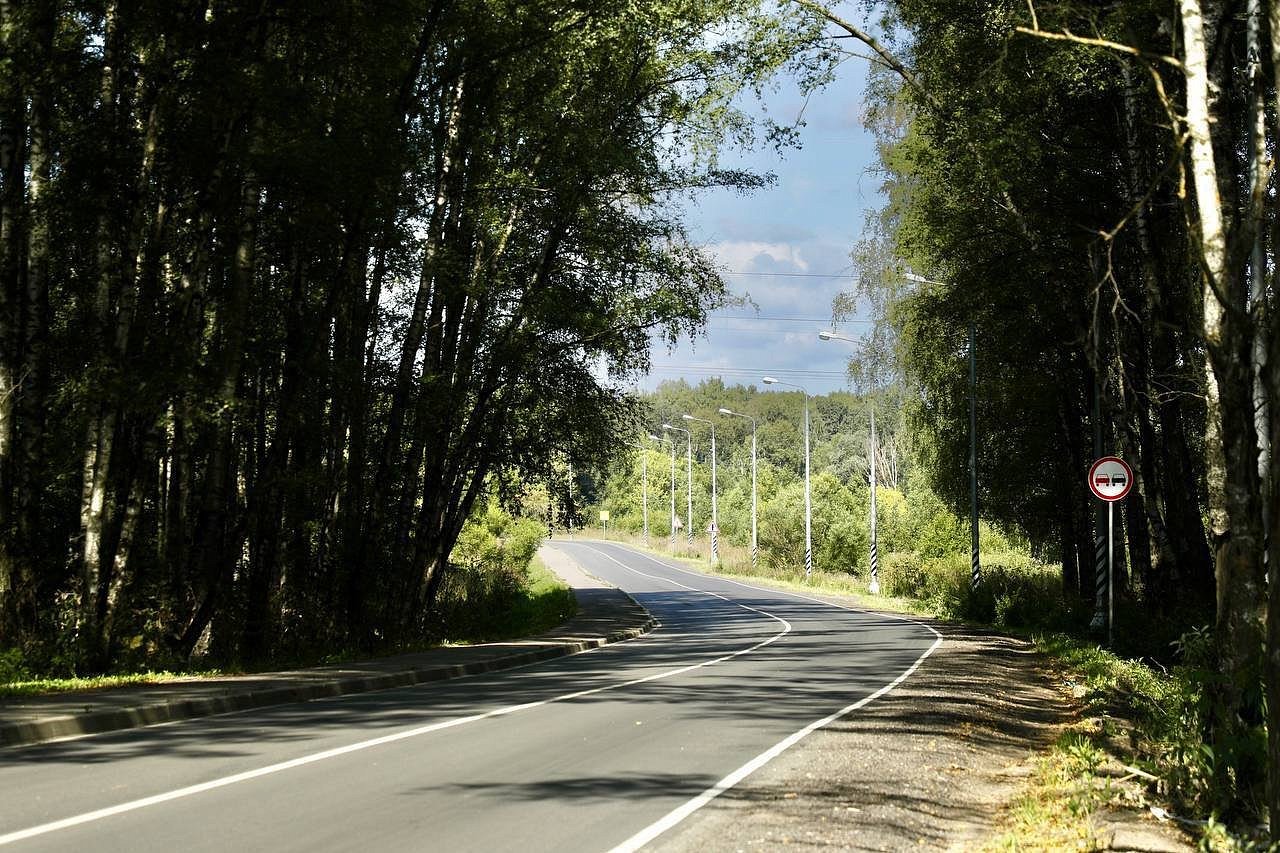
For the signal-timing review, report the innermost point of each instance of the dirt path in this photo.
(928, 766)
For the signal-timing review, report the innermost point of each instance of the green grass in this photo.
(39, 686)
(541, 604)
(1054, 810)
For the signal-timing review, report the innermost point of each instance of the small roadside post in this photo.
(1110, 479)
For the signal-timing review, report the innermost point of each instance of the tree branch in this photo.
(1119, 47)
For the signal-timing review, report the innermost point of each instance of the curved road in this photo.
(604, 750)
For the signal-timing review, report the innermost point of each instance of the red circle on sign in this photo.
(1110, 478)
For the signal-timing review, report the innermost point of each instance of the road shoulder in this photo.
(932, 764)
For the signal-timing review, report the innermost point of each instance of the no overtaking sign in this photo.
(1110, 478)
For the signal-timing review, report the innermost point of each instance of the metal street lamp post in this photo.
(644, 485)
(755, 545)
(688, 450)
(874, 585)
(808, 505)
(715, 515)
(672, 444)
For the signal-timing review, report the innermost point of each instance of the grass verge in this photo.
(39, 686)
(542, 603)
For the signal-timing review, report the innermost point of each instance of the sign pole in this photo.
(974, 559)
(1110, 479)
(1111, 571)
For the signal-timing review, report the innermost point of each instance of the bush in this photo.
(840, 538)
(13, 666)
(489, 568)
(902, 574)
(1015, 592)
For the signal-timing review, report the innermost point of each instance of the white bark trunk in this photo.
(1213, 240)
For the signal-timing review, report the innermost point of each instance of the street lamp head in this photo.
(769, 380)
(825, 335)
(654, 437)
(687, 417)
(910, 276)
(667, 426)
(727, 412)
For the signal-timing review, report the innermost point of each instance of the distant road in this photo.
(593, 752)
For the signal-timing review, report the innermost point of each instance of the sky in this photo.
(787, 247)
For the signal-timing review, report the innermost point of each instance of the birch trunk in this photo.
(1231, 439)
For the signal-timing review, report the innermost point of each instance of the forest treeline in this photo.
(1089, 190)
(285, 287)
(913, 522)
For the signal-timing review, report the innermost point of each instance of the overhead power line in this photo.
(747, 371)
(825, 321)
(792, 274)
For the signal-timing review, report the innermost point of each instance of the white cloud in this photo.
(757, 256)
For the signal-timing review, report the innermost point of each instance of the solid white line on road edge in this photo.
(191, 790)
(678, 814)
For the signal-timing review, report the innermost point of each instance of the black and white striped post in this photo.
(1110, 479)
(974, 563)
(715, 515)
(1099, 536)
(570, 513)
(667, 439)
(874, 586)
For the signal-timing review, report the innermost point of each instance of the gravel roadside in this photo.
(928, 766)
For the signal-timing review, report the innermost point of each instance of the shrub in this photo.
(489, 568)
(13, 666)
(1015, 592)
(902, 574)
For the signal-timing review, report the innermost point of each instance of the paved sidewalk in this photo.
(605, 615)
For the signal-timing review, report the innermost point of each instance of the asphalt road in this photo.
(599, 751)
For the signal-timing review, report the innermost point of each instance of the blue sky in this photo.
(780, 244)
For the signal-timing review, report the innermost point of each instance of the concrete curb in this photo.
(66, 726)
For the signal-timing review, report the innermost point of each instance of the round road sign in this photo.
(1110, 478)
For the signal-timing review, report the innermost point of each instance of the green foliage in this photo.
(13, 666)
(316, 279)
(492, 555)
(935, 531)
(840, 539)
(911, 518)
(1016, 591)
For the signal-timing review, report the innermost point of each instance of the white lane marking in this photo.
(785, 623)
(745, 585)
(678, 814)
(191, 790)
